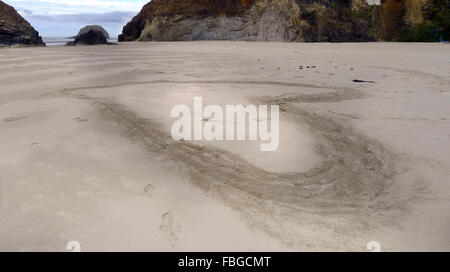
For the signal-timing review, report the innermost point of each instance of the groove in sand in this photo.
(351, 186)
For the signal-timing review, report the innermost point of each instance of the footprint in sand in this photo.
(79, 119)
(170, 227)
(12, 119)
(148, 190)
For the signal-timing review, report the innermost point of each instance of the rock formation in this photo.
(15, 30)
(91, 35)
(93, 27)
(288, 20)
(254, 20)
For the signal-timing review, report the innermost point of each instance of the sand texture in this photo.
(87, 156)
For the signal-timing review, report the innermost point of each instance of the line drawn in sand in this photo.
(353, 188)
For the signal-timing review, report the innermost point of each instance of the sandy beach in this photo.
(86, 152)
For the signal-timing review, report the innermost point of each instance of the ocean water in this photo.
(60, 41)
(55, 41)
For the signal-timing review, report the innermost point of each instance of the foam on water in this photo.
(60, 41)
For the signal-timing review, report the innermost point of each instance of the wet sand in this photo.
(87, 154)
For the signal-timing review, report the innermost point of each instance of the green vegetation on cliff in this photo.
(415, 20)
(435, 25)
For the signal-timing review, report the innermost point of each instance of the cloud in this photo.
(61, 18)
(90, 18)
(51, 7)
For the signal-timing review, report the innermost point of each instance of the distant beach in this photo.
(59, 41)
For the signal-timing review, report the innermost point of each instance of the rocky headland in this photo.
(290, 20)
(15, 30)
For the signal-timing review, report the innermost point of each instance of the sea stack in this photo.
(15, 30)
(93, 27)
(91, 35)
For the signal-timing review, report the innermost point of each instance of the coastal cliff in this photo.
(15, 30)
(257, 20)
(289, 20)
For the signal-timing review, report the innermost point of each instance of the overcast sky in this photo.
(63, 18)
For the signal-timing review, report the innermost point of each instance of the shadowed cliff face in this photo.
(337, 20)
(15, 30)
(290, 20)
(393, 20)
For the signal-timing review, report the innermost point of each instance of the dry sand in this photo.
(86, 153)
